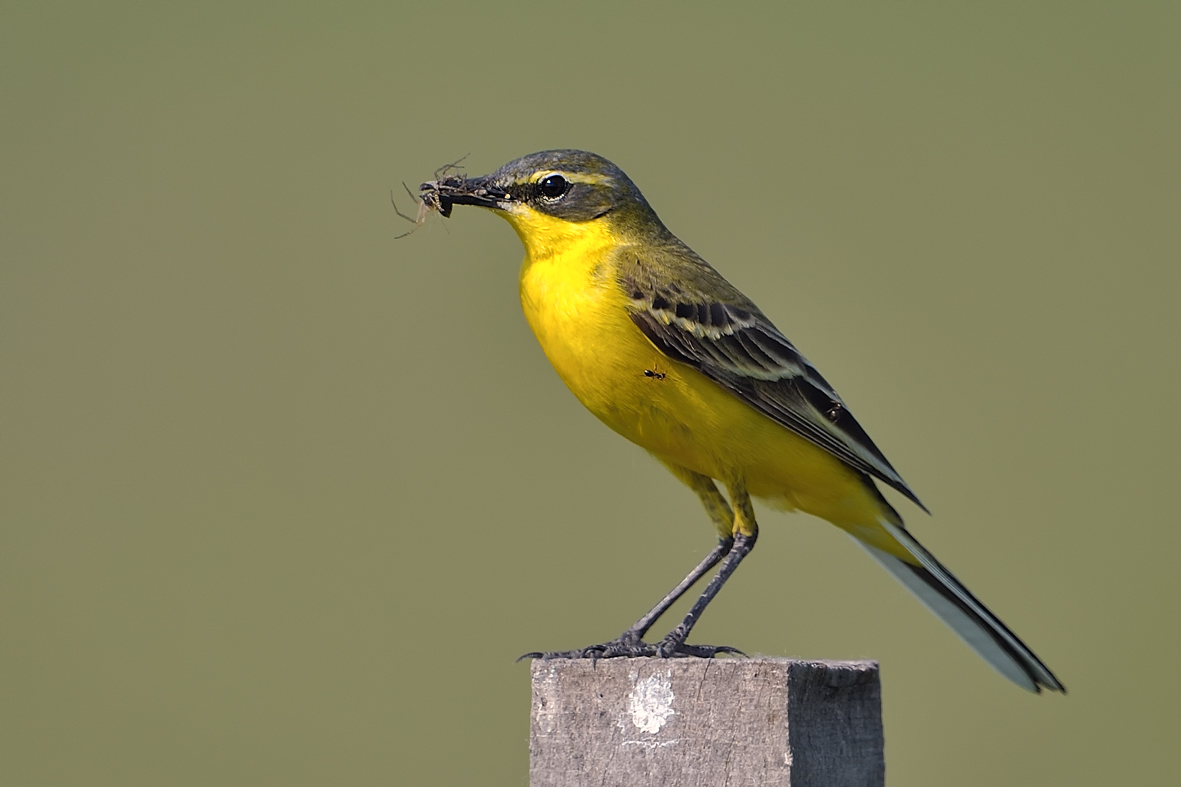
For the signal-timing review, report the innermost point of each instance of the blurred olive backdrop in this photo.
(283, 497)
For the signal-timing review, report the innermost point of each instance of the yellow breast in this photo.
(579, 314)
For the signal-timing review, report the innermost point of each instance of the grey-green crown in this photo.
(614, 193)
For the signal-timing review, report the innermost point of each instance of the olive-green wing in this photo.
(693, 315)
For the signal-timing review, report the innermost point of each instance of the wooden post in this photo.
(689, 722)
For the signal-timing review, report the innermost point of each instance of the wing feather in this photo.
(703, 321)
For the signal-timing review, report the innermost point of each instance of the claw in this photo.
(620, 648)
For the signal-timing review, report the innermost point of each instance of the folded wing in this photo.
(695, 316)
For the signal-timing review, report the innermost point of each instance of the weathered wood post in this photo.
(689, 722)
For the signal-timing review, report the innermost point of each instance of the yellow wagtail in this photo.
(666, 352)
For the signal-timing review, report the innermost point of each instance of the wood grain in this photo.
(689, 722)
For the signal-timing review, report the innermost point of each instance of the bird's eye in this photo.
(554, 186)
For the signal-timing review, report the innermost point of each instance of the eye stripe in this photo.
(572, 177)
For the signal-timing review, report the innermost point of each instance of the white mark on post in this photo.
(652, 744)
(650, 703)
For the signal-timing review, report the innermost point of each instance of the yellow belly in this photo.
(578, 314)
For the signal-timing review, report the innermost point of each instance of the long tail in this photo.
(946, 596)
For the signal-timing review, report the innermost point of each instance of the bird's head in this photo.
(551, 197)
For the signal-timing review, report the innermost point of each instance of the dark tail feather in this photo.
(955, 605)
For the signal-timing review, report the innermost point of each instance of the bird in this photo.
(667, 353)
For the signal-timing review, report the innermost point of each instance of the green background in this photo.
(283, 498)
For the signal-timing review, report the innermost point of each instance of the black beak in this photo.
(456, 190)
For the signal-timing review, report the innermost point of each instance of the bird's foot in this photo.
(633, 647)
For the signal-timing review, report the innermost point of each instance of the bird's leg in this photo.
(631, 642)
(743, 526)
(723, 518)
(636, 633)
(674, 643)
